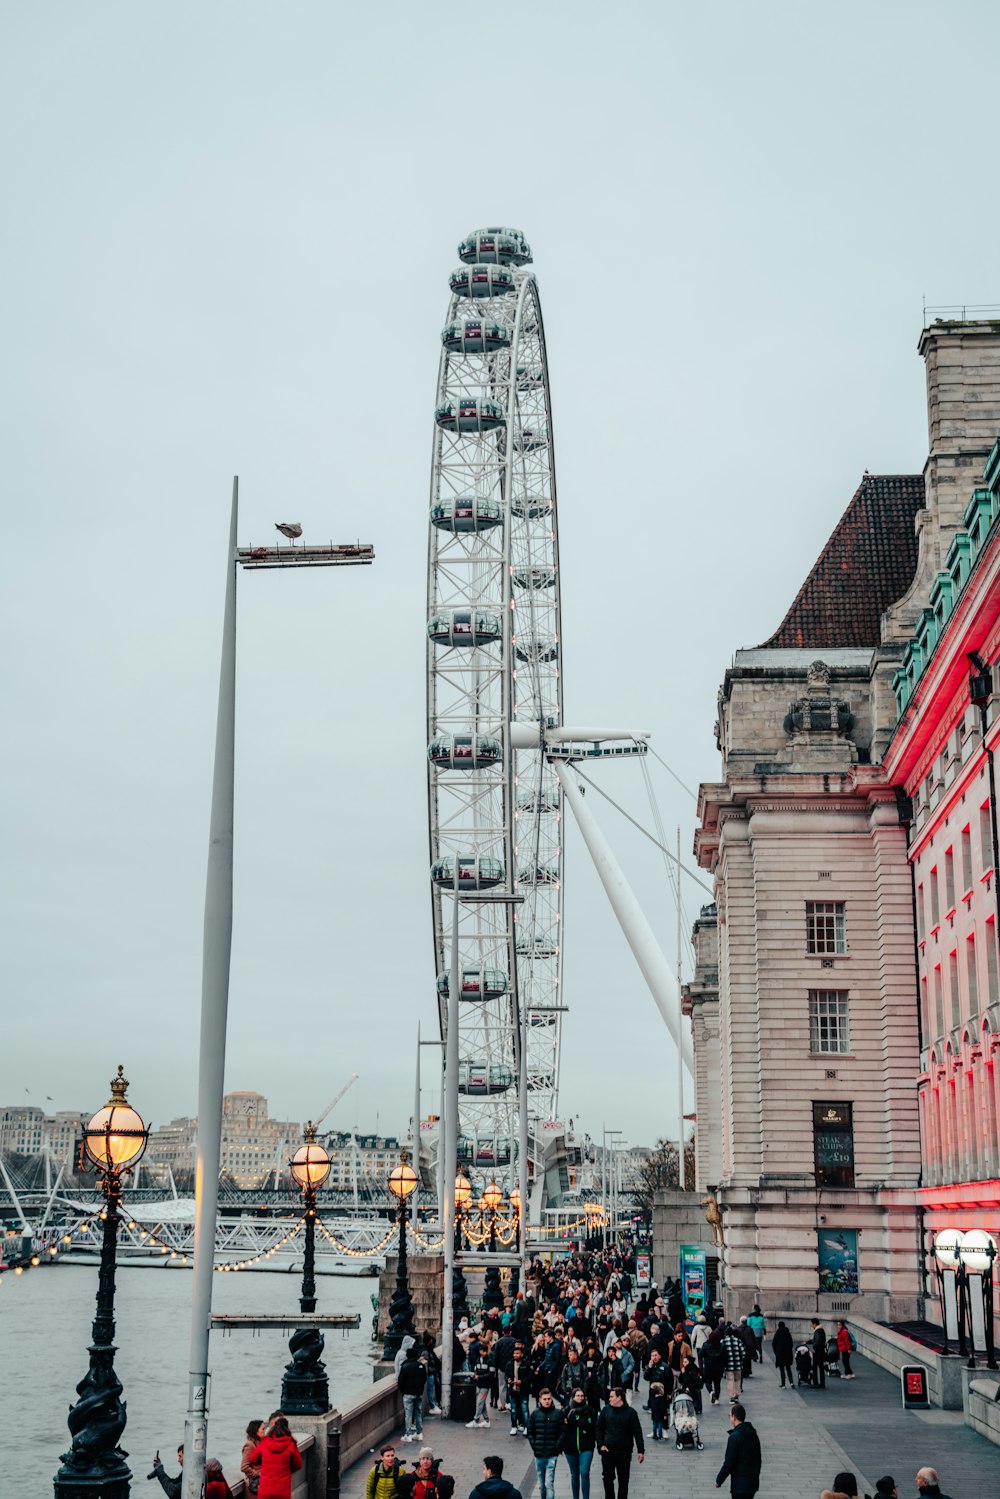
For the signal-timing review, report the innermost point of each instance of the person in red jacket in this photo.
(279, 1457)
(216, 1486)
(845, 1347)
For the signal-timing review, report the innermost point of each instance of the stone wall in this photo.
(678, 1218)
(425, 1273)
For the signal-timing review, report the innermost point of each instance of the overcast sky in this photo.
(228, 234)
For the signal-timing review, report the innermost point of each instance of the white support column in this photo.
(216, 952)
(638, 932)
(450, 1147)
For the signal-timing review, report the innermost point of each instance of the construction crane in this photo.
(334, 1101)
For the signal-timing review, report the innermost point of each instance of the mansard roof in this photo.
(867, 564)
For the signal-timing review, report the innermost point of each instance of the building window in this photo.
(921, 925)
(826, 930)
(828, 1020)
(833, 1144)
(966, 860)
(938, 1002)
(949, 880)
(972, 976)
(954, 998)
(986, 836)
(992, 975)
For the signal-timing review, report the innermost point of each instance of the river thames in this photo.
(45, 1319)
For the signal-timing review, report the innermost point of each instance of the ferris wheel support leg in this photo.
(638, 932)
(450, 1148)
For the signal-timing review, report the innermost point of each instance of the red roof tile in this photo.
(867, 564)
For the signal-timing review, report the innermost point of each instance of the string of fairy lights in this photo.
(478, 1231)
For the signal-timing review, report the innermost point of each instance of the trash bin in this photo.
(463, 1397)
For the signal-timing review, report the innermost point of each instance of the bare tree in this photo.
(659, 1170)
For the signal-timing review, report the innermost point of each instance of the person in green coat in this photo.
(758, 1327)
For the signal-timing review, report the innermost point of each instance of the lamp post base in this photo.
(492, 1292)
(99, 1481)
(305, 1389)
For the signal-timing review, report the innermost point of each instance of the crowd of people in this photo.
(570, 1361)
(575, 1358)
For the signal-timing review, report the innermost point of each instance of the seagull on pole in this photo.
(289, 528)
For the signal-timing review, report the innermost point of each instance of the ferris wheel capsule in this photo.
(495, 246)
(539, 801)
(465, 627)
(530, 439)
(526, 648)
(530, 506)
(535, 577)
(483, 281)
(475, 871)
(474, 335)
(461, 514)
(470, 414)
(478, 984)
(465, 752)
(529, 376)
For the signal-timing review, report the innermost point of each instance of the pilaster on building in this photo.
(832, 1084)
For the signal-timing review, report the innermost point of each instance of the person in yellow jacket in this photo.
(383, 1480)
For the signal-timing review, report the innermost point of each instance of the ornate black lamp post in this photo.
(515, 1274)
(489, 1204)
(979, 1253)
(402, 1182)
(459, 1289)
(95, 1466)
(305, 1390)
(463, 1196)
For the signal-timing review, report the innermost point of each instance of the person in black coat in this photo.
(742, 1461)
(783, 1349)
(493, 1485)
(818, 1341)
(617, 1429)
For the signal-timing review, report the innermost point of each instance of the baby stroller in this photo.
(804, 1363)
(832, 1359)
(684, 1420)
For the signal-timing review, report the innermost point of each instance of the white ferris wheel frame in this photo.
(510, 570)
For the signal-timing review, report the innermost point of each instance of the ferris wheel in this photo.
(494, 661)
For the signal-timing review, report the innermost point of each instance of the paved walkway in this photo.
(807, 1437)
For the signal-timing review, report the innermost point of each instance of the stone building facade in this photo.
(942, 755)
(818, 1154)
(28, 1131)
(700, 1001)
(255, 1152)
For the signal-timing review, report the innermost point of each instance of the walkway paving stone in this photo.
(807, 1437)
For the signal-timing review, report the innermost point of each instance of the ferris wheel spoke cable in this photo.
(644, 831)
(673, 875)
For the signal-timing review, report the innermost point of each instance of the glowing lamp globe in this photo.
(463, 1191)
(978, 1251)
(947, 1246)
(116, 1136)
(515, 1200)
(310, 1164)
(403, 1180)
(492, 1197)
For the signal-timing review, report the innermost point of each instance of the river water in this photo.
(45, 1320)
